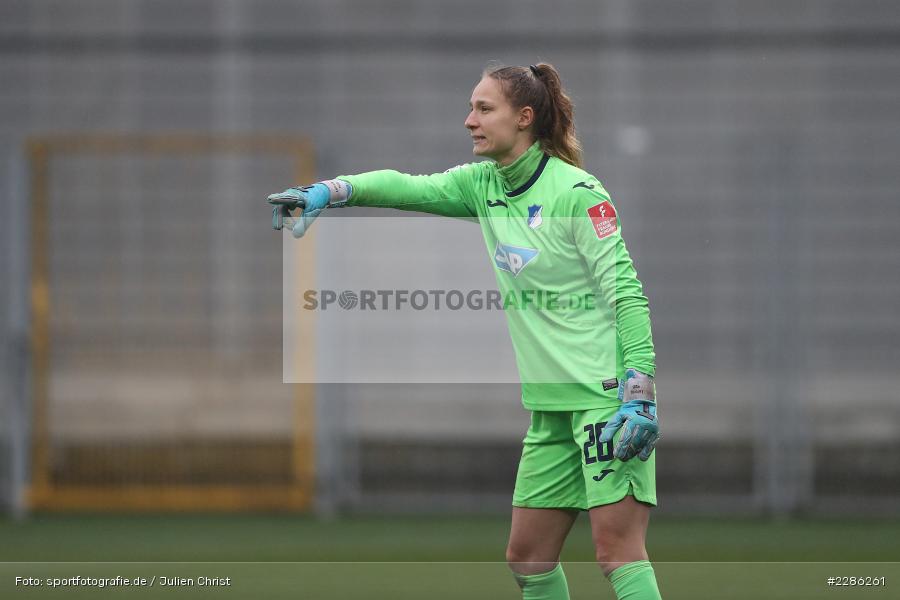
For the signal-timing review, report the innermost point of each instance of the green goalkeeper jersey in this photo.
(575, 308)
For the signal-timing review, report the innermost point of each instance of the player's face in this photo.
(493, 123)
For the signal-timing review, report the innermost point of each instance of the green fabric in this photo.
(635, 581)
(544, 586)
(576, 311)
(517, 173)
(561, 459)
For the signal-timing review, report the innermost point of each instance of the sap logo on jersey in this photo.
(513, 258)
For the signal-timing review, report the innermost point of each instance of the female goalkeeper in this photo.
(579, 322)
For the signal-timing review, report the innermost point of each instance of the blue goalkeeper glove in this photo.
(636, 418)
(310, 200)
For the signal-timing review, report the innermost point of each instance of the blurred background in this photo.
(752, 149)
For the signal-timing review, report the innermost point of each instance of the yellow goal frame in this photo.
(45, 494)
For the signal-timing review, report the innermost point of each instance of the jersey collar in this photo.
(524, 171)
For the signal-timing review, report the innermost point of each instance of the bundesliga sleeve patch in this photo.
(603, 216)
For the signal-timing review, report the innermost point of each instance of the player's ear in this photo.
(525, 118)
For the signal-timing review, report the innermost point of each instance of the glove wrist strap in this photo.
(638, 386)
(338, 192)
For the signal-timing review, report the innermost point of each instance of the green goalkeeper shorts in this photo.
(562, 465)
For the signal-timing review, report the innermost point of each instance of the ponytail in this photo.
(539, 86)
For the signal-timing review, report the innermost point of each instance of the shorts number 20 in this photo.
(603, 454)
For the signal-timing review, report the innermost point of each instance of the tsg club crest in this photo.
(513, 258)
(535, 219)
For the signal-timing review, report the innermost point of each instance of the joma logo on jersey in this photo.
(513, 258)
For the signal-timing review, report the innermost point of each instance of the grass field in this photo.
(285, 556)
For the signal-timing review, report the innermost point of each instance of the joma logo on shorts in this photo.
(603, 474)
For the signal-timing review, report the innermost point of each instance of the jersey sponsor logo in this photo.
(583, 184)
(493, 203)
(535, 219)
(513, 259)
(610, 384)
(603, 217)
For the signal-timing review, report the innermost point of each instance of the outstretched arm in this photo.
(448, 194)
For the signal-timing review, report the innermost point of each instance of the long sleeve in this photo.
(599, 240)
(447, 194)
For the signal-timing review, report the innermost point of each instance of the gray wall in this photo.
(751, 148)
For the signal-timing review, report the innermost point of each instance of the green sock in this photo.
(635, 581)
(544, 586)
